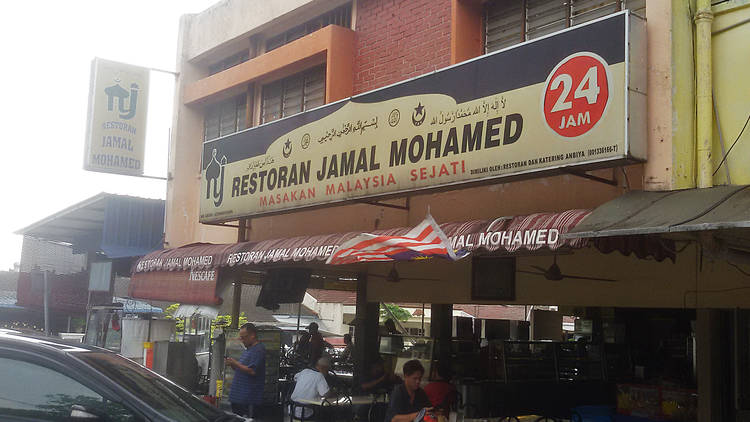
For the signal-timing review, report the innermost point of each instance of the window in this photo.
(230, 61)
(225, 117)
(415, 331)
(167, 398)
(509, 22)
(293, 95)
(39, 393)
(341, 16)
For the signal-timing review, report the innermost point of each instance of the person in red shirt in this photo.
(440, 391)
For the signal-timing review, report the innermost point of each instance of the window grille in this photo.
(230, 61)
(509, 22)
(225, 117)
(294, 94)
(341, 16)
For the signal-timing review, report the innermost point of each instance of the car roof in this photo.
(38, 343)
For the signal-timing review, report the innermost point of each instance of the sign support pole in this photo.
(46, 305)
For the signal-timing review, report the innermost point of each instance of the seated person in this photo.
(346, 355)
(310, 385)
(375, 381)
(407, 399)
(440, 391)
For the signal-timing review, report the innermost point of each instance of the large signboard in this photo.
(573, 100)
(116, 127)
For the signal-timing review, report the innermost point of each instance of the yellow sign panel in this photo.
(471, 123)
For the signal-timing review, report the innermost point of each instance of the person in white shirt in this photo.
(310, 385)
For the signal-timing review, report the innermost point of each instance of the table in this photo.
(344, 400)
(329, 407)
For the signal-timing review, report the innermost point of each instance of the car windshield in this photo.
(159, 393)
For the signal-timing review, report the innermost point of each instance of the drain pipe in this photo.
(703, 73)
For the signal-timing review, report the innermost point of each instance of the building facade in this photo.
(247, 65)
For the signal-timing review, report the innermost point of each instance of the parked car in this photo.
(45, 379)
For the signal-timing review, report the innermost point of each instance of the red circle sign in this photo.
(576, 94)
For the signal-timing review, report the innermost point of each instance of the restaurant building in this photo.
(569, 147)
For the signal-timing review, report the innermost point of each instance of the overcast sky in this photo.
(47, 50)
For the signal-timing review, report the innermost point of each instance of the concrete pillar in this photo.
(365, 329)
(441, 329)
(237, 292)
(710, 337)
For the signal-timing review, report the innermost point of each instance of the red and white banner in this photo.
(426, 240)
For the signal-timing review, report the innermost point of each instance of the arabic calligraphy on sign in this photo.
(486, 108)
(260, 162)
(347, 128)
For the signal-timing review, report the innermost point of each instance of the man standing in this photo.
(310, 385)
(316, 343)
(246, 391)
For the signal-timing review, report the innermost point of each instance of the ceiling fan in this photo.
(394, 277)
(553, 273)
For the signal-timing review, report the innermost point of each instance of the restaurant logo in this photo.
(576, 94)
(215, 179)
(122, 95)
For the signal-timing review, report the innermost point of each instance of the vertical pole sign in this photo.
(116, 126)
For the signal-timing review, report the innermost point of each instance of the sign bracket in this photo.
(383, 204)
(235, 226)
(583, 174)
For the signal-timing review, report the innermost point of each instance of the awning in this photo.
(504, 234)
(719, 208)
(197, 287)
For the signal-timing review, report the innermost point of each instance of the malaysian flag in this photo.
(423, 241)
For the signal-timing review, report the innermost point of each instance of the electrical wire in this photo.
(733, 144)
(687, 292)
(737, 267)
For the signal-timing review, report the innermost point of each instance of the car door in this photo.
(33, 388)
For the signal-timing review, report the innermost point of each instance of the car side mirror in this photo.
(79, 413)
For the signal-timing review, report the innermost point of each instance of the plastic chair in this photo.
(294, 406)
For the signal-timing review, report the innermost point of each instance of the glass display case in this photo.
(397, 350)
(529, 361)
(512, 361)
(580, 361)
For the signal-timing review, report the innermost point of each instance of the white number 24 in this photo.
(588, 88)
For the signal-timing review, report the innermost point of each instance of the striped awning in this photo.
(531, 232)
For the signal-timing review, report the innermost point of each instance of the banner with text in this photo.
(116, 127)
(567, 100)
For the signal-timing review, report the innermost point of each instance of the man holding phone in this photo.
(246, 391)
(409, 402)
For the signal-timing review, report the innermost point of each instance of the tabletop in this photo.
(343, 400)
